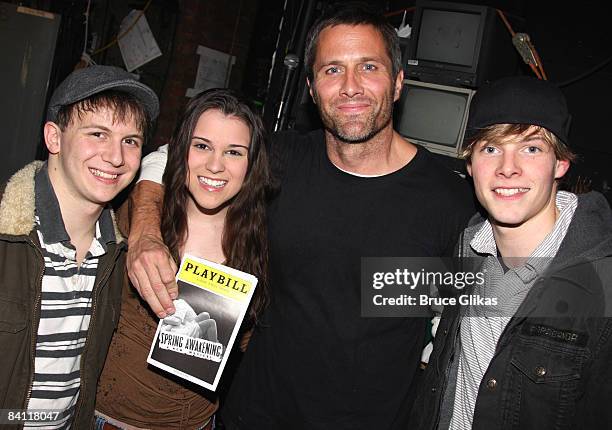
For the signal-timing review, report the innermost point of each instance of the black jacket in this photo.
(552, 368)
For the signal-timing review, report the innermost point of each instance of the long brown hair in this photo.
(244, 239)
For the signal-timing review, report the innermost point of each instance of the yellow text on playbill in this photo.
(215, 280)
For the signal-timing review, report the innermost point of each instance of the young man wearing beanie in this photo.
(61, 254)
(539, 356)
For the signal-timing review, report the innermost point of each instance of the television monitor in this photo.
(458, 44)
(433, 115)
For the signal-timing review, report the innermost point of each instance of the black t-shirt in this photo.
(315, 363)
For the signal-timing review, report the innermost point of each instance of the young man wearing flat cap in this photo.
(61, 254)
(540, 357)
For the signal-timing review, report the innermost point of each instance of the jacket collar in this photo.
(589, 236)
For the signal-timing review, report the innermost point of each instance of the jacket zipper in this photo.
(446, 372)
(454, 334)
(91, 324)
(36, 321)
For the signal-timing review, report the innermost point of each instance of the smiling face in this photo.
(93, 158)
(217, 160)
(515, 180)
(353, 85)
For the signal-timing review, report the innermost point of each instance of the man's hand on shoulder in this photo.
(150, 266)
(151, 269)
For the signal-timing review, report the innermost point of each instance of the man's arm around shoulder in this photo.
(150, 266)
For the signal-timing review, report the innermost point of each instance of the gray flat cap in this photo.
(83, 83)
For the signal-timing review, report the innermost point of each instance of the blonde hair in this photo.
(499, 132)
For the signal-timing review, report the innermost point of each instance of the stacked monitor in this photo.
(453, 49)
(458, 44)
(433, 115)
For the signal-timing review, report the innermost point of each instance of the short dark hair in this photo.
(123, 104)
(353, 13)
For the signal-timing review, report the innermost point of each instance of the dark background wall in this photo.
(575, 45)
(573, 42)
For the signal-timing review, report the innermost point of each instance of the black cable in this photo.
(589, 72)
(295, 24)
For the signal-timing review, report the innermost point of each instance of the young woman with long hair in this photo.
(216, 180)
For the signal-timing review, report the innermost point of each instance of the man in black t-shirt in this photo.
(356, 189)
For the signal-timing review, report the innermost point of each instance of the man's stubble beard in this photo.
(370, 129)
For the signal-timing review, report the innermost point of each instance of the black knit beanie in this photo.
(519, 100)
